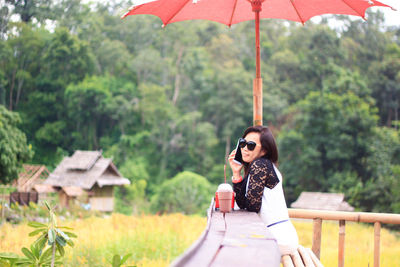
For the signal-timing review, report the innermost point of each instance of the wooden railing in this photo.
(237, 238)
(342, 216)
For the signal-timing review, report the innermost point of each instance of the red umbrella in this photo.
(230, 12)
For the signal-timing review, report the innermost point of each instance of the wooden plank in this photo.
(247, 256)
(247, 224)
(316, 243)
(314, 258)
(297, 259)
(237, 238)
(203, 251)
(211, 243)
(342, 232)
(305, 256)
(287, 261)
(377, 240)
(247, 242)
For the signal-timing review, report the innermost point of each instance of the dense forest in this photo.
(166, 101)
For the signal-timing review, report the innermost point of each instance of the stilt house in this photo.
(90, 172)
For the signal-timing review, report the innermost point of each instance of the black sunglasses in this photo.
(250, 145)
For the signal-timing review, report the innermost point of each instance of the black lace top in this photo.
(261, 174)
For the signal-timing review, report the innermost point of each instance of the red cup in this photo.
(217, 200)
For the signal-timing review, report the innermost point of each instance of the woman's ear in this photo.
(263, 152)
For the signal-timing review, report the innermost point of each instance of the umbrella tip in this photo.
(127, 13)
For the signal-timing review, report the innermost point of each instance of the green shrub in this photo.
(130, 199)
(187, 192)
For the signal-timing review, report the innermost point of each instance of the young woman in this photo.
(260, 188)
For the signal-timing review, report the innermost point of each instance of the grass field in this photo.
(156, 240)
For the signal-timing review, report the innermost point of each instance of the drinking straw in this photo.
(225, 172)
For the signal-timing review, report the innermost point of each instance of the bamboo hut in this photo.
(87, 171)
(322, 201)
(30, 187)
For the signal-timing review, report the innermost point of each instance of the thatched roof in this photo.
(32, 174)
(322, 201)
(73, 191)
(43, 188)
(84, 169)
(82, 160)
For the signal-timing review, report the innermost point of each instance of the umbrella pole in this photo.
(257, 82)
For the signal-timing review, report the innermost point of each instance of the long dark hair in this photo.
(268, 144)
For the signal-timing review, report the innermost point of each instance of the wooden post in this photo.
(377, 239)
(316, 243)
(342, 232)
(257, 83)
(257, 101)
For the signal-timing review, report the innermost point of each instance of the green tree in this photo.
(87, 108)
(187, 192)
(20, 61)
(326, 135)
(385, 80)
(13, 146)
(65, 59)
(29, 9)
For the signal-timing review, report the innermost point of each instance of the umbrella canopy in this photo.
(229, 12)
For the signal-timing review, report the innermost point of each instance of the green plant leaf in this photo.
(66, 227)
(60, 240)
(35, 251)
(24, 261)
(70, 243)
(6, 255)
(33, 233)
(46, 255)
(40, 243)
(61, 233)
(125, 258)
(60, 249)
(116, 261)
(28, 253)
(51, 236)
(47, 205)
(37, 225)
(71, 235)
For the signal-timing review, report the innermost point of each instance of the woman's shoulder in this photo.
(261, 162)
(263, 167)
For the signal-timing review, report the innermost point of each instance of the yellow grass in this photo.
(156, 240)
(153, 240)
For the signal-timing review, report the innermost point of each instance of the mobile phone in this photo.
(238, 156)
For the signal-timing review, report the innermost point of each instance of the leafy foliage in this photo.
(14, 149)
(43, 250)
(187, 192)
(118, 260)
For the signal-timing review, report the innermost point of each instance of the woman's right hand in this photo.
(236, 168)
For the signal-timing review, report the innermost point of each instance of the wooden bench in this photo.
(237, 238)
